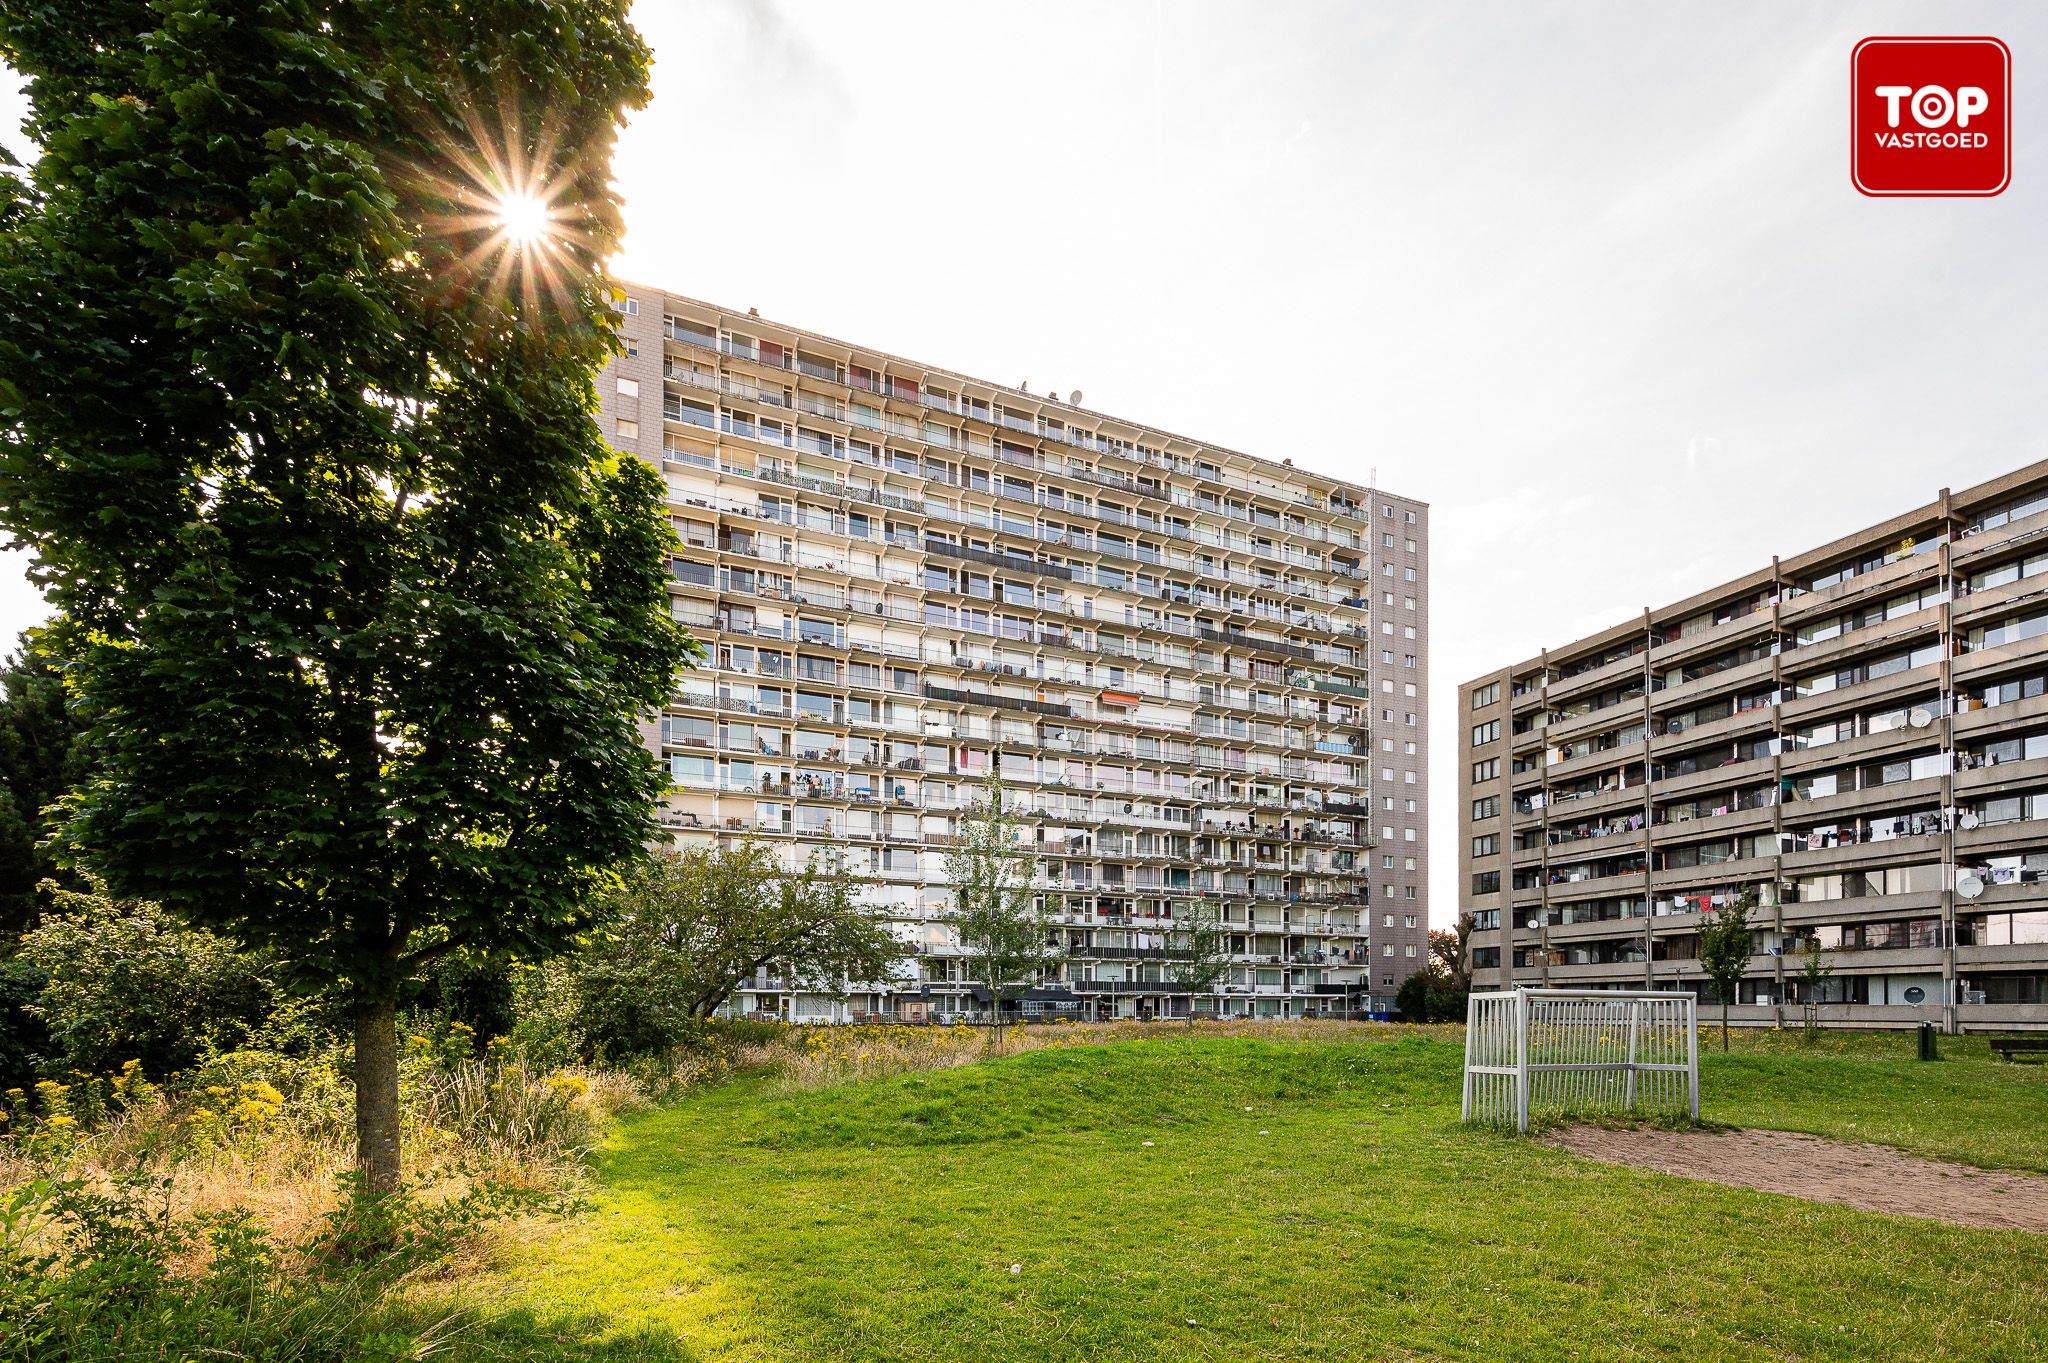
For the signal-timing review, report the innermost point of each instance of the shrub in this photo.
(1425, 998)
(127, 981)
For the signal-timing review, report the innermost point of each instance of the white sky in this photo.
(1590, 279)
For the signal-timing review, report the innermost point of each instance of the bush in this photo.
(127, 981)
(1423, 998)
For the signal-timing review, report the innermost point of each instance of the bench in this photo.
(2012, 1048)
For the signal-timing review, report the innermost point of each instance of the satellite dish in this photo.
(1969, 886)
(1920, 717)
(1075, 397)
(1969, 821)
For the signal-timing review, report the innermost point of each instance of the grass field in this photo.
(1235, 1198)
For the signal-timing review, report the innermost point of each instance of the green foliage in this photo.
(1725, 948)
(1003, 929)
(124, 980)
(687, 928)
(361, 607)
(24, 1040)
(93, 1274)
(41, 760)
(1429, 996)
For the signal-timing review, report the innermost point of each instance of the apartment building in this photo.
(1858, 735)
(1201, 676)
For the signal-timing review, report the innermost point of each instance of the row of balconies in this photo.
(724, 426)
(1001, 420)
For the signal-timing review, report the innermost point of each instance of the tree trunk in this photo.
(1724, 1025)
(377, 1095)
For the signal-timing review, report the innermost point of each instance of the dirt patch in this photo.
(1875, 1178)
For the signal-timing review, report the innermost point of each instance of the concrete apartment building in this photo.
(1201, 675)
(1858, 734)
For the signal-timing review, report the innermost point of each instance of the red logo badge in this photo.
(1930, 116)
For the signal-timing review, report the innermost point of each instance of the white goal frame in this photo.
(1580, 1052)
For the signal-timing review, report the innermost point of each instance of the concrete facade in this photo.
(1858, 736)
(1202, 675)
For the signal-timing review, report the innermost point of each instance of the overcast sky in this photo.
(1590, 279)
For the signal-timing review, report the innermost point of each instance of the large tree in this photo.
(1004, 933)
(688, 928)
(1451, 948)
(304, 305)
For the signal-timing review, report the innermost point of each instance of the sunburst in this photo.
(506, 199)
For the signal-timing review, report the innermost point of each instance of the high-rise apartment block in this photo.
(1857, 736)
(1200, 675)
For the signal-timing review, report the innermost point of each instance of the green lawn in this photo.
(1297, 1200)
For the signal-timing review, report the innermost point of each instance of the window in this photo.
(1411, 546)
(628, 430)
(1409, 921)
(1408, 602)
(1387, 950)
(1486, 695)
(628, 306)
(1486, 807)
(1486, 882)
(1409, 949)
(629, 388)
(1489, 770)
(1409, 516)
(1486, 845)
(1483, 734)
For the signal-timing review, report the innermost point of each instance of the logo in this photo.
(1930, 117)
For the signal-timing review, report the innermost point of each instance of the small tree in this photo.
(1003, 931)
(1198, 951)
(1725, 950)
(1813, 972)
(689, 928)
